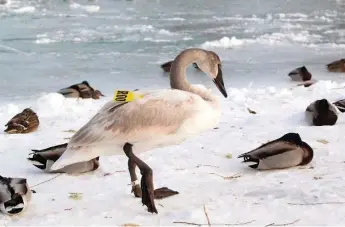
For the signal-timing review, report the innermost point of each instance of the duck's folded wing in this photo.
(340, 105)
(51, 153)
(134, 121)
(270, 149)
(67, 91)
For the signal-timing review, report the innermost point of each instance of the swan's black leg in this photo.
(134, 179)
(147, 189)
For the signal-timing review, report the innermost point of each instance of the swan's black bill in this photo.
(219, 82)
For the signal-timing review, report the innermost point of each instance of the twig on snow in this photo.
(228, 177)
(207, 217)
(312, 204)
(290, 223)
(191, 223)
(46, 180)
(206, 165)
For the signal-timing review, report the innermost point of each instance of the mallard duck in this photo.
(24, 122)
(284, 152)
(337, 66)
(166, 66)
(14, 195)
(300, 74)
(321, 112)
(82, 90)
(45, 158)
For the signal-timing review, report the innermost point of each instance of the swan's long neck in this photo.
(178, 68)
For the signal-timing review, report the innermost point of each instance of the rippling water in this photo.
(46, 45)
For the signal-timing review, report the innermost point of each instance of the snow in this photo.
(197, 168)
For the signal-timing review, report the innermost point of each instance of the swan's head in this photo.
(213, 67)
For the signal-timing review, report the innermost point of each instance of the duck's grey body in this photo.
(45, 158)
(284, 152)
(300, 74)
(70, 92)
(14, 195)
(321, 112)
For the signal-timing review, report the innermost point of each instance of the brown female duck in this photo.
(24, 122)
(337, 66)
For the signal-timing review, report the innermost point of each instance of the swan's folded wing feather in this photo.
(134, 121)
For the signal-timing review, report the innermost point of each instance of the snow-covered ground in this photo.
(200, 168)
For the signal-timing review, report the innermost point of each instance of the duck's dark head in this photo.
(86, 83)
(166, 66)
(322, 105)
(292, 138)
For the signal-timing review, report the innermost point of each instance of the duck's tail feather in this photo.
(45, 158)
(340, 105)
(249, 158)
(14, 205)
(38, 161)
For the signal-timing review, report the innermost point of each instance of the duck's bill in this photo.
(220, 83)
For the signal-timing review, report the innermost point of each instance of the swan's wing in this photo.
(154, 115)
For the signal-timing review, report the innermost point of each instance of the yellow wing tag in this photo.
(126, 96)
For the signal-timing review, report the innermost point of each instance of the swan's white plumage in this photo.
(162, 117)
